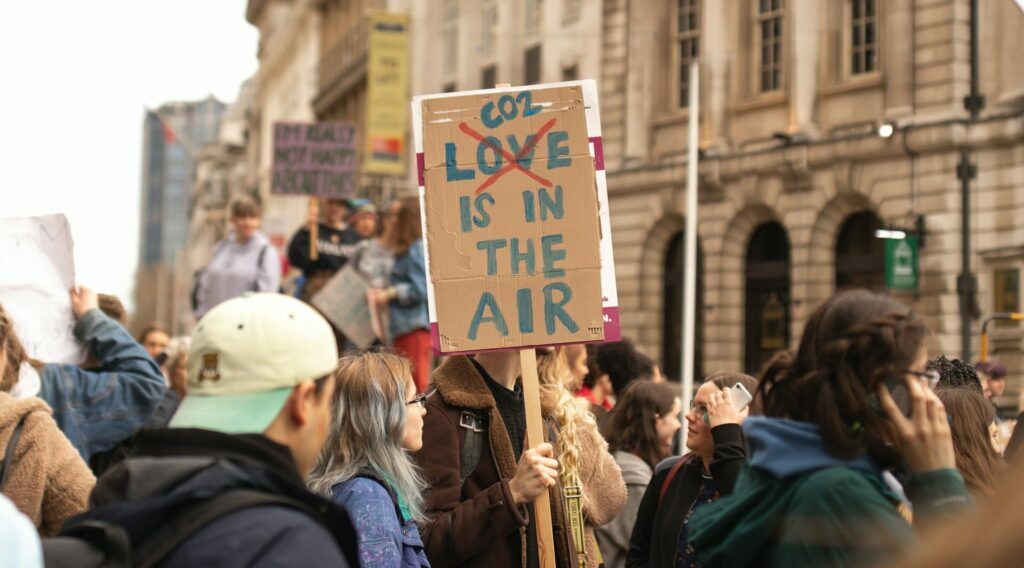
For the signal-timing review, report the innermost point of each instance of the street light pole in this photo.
(966, 171)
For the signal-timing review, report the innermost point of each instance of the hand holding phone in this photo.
(725, 406)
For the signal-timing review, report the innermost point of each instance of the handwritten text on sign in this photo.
(512, 219)
(316, 159)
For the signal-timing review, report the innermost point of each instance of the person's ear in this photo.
(301, 403)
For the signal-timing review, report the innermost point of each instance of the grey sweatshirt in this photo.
(613, 538)
(233, 271)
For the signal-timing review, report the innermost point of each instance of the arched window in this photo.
(860, 255)
(672, 314)
(766, 326)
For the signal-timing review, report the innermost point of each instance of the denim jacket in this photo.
(98, 409)
(409, 277)
(385, 539)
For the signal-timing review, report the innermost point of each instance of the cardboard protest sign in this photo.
(314, 159)
(37, 269)
(387, 90)
(343, 301)
(515, 218)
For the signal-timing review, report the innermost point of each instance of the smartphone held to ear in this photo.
(741, 397)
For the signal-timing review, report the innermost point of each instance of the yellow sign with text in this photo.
(387, 110)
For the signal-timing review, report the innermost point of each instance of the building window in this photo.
(687, 45)
(533, 18)
(570, 11)
(863, 36)
(451, 35)
(767, 295)
(489, 77)
(672, 312)
(531, 64)
(571, 73)
(489, 23)
(769, 21)
(1006, 293)
(860, 256)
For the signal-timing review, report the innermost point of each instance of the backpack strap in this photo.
(259, 266)
(9, 453)
(668, 479)
(191, 519)
(105, 544)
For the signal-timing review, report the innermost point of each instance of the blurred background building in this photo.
(172, 138)
(821, 123)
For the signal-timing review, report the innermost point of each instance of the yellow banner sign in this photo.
(387, 95)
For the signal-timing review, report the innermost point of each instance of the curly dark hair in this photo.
(955, 373)
(623, 363)
(851, 344)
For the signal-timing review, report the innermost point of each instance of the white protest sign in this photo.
(37, 269)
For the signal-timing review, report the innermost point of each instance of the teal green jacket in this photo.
(795, 505)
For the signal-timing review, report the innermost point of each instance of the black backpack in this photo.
(102, 544)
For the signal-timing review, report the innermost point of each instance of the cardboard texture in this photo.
(512, 219)
(314, 159)
(343, 301)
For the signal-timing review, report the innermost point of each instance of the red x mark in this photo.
(513, 161)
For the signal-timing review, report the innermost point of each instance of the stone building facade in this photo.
(795, 177)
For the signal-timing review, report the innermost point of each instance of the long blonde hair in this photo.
(555, 379)
(368, 414)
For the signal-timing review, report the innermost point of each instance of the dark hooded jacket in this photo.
(170, 470)
(797, 505)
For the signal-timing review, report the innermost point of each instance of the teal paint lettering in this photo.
(527, 160)
(451, 167)
(556, 206)
(529, 209)
(524, 301)
(481, 155)
(518, 257)
(487, 301)
(484, 218)
(554, 309)
(512, 110)
(487, 116)
(492, 246)
(552, 255)
(465, 217)
(526, 97)
(556, 150)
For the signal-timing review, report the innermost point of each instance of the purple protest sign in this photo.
(314, 159)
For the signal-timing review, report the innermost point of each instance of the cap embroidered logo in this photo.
(209, 371)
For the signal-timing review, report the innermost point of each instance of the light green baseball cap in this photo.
(246, 356)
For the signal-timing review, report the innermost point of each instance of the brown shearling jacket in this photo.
(478, 524)
(48, 481)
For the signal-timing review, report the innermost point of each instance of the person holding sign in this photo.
(335, 243)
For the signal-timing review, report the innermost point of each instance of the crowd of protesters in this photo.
(266, 439)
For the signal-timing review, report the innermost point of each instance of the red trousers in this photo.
(415, 346)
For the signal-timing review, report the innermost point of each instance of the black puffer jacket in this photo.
(176, 468)
(655, 538)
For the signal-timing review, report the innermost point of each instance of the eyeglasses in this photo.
(421, 400)
(931, 376)
(699, 406)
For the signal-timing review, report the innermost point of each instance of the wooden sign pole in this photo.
(314, 212)
(534, 437)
